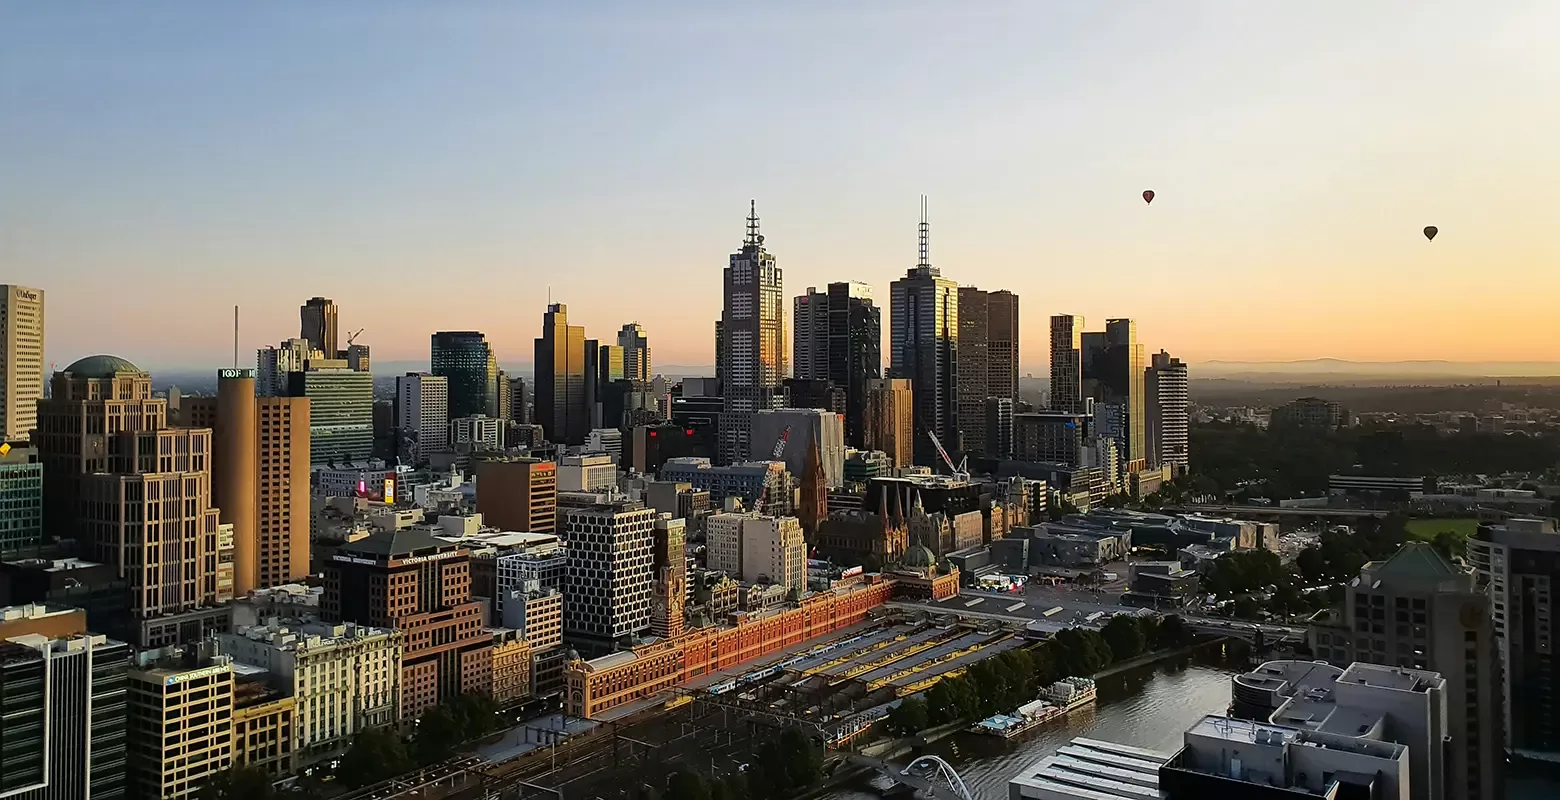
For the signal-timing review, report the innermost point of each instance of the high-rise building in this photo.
(505, 411)
(1057, 437)
(1417, 610)
(133, 492)
(838, 344)
(636, 352)
(421, 586)
(466, 360)
(519, 401)
(518, 494)
(1002, 344)
(319, 325)
(1169, 419)
(810, 335)
(1113, 376)
(260, 477)
(476, 433)
(179, 721)
(562, 403)
(1067, 363)
(988, 360)
(669, 565)
(21, 360)
(341, 413)
(607, 599)
(275, 365)
(890, 420)
(999, 427)
(21, 499)
(750, 345)
(1309, 413)
(63, 704)
(924, 320)
(422, 404)
(801, 428)
(357, 356)
(1518, 564)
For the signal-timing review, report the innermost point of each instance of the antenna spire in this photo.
(923, 235)
(754, 238)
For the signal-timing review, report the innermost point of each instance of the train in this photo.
(764, 673)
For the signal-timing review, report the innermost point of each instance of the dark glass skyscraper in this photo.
(562, 403)
(466, 360)
(923, 312)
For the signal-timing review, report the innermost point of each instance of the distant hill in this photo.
(1321, 369)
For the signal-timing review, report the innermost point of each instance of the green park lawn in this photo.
(1426, 529)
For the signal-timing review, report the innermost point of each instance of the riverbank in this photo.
(898, 749)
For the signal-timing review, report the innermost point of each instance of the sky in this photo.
(436, 166)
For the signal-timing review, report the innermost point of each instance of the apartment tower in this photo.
(1167, 397)
(422, 415)
(924, 321)
(750, 342)
(1067, 363)
(21, 360)
(607, 601)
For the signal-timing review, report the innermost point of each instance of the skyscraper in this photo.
(21, 360)
(1067, 363)
(750, 340)
(518, 494)
(1169, 419)
(973, 363)
(466, 360)
(1518, 564)
(562, 403)
(260, 477)
(636, 352)
(275, 366)
(1002, 344)
(838, 343)
(319, 325)
(422, 404)
(21, 499)
(924, 318)
(1113, 376)
(133, 492)
(341, 413)
(810, 335)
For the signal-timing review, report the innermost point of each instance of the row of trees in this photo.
(781, 768)
(1004, 682)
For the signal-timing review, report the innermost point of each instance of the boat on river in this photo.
(1056, 700)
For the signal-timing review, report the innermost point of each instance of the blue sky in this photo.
(444, 165)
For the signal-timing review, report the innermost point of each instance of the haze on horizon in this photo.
(443, 166)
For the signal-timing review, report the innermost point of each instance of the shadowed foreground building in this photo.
(421, 586)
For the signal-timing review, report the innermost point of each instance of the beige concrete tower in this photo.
(233, 472)
(21, 360)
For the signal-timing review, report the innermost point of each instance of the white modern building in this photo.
(806, 426)
(273, 365)
(343, 678)
(607, 594)
(1169, 412)
(423, 414)
(21, 360)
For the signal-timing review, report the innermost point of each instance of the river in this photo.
(1151, 706)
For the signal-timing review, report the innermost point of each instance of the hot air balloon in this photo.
(1148, 196)
(1430, 232)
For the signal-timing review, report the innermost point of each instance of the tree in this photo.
(802, 759)
(1125, 637)
(909, 717)
(687, 784)
(438, 732)
(1245, 608)
(242, 782)
(376, 754)
(871, 563)
(475, 715)
(1173, 633)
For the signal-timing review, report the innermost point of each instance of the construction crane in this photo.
(351, 337)
(960, 472)
(777, 455)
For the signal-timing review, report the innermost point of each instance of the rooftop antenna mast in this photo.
(754, 238)
(923, 235)
(235, 337)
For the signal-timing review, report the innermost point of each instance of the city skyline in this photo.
(1302, 178)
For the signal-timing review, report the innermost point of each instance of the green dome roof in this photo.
(919, 557)
(101, 367)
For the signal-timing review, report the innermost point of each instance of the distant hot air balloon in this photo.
(1148, 196)
(1430, 232)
